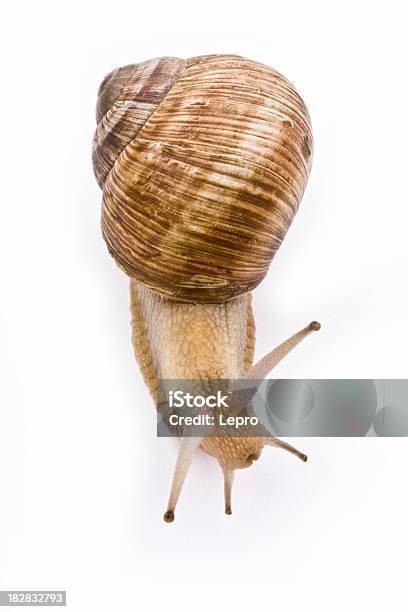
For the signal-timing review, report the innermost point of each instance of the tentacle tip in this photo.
(314, 326)
(169, 516)
(228, 510)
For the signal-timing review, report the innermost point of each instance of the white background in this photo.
(83, 479)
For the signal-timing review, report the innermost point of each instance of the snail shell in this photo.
(202, 163)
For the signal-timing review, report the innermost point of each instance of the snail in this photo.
(203, 163)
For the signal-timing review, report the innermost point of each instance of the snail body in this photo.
(203, 163)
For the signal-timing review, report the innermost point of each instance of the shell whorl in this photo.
(203, 164)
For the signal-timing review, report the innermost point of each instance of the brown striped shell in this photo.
(202, 163)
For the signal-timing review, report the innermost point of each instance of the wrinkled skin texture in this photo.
(200, 342)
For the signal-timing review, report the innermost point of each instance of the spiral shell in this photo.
(203, 163)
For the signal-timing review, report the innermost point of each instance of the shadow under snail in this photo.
(203, 163)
